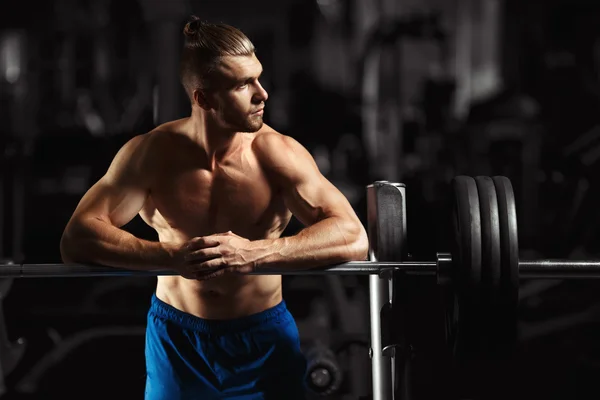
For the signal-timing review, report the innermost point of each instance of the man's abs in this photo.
(225, 297)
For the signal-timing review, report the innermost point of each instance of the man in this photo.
(219, 188)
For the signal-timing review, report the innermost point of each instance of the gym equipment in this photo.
(482, 271)
(528, 269)
(323, 372)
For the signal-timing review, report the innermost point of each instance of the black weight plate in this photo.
(491, 262)
(509, 245)
(463, 310)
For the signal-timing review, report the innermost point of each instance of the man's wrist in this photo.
(266, 253)
(166, 255)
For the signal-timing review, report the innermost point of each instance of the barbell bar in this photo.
(528, 269)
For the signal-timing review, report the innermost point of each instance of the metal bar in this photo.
(382, 227)
(377, 298)
(528, 269)
(71, 270)
(381, 367)
(84, 270)
(559, 269)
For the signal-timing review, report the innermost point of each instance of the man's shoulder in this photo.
(164, 133)
(155, 139)
(174, 126)
(142, 149)
(268, 141)
(279, 152)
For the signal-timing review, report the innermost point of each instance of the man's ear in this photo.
(201, 100)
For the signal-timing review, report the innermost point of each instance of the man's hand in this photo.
(208, 257)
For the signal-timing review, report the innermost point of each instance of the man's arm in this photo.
(333, 232)
(93, 233)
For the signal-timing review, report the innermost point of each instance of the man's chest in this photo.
(228, 197)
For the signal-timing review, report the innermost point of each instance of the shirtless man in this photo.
(219, 188)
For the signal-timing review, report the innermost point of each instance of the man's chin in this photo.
(253, 127)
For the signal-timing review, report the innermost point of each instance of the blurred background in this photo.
(400, 90)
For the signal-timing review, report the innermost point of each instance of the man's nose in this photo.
(261, 94)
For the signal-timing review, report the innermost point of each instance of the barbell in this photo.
(440, 268)
(482, 269)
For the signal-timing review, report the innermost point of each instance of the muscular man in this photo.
(219, 187)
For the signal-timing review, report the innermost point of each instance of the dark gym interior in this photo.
(396, 90)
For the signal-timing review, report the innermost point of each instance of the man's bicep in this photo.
(307, 193)
(109, 201)
(313, 198)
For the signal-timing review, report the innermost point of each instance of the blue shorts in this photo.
(253, 357)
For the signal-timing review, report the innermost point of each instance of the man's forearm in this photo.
(98, 242)
(330, 241)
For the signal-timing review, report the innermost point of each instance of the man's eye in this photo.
(242, 86)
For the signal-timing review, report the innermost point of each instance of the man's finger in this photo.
(214, 264)
(206, 275)
(203, 254)
(203, 242)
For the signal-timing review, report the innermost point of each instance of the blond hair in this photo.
(205, 45)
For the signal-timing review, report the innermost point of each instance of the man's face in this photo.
(238, 97)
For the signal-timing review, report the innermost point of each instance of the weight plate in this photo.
(463, 309)
(509, 245)
(490, 265)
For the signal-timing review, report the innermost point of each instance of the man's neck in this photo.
(215, 140)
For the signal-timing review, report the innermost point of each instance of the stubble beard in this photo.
(252, 124)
